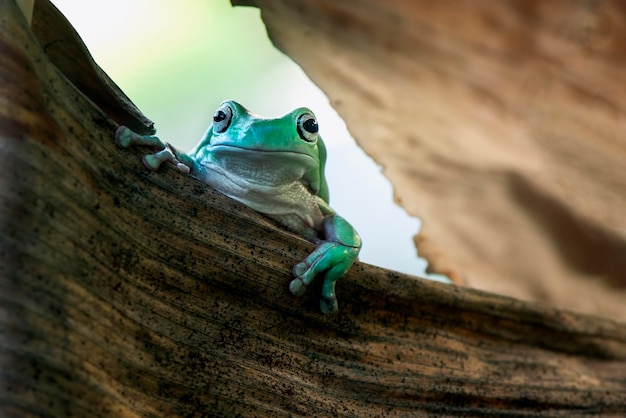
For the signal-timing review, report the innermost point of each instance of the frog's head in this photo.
(286, 146)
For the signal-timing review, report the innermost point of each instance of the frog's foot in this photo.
(154, 161)
(334, 259)
(125, 138)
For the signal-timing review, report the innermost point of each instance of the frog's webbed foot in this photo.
(333, 257)
(125, 138)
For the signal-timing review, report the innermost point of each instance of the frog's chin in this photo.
(264, 171)
(263, 167)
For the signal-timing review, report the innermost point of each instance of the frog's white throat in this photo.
(261, 170)
(269, 182)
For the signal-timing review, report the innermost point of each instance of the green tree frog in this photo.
(276, 167)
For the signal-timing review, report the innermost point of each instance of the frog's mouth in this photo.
(223, 148)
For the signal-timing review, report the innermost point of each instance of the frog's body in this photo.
(276, 167)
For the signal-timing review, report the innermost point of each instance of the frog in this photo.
(276, 166)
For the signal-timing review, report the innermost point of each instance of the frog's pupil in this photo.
(310, 125)
(219, 116)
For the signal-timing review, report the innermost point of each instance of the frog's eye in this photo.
(222, 118)
(307, 127)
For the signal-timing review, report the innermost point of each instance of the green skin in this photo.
(276, 167)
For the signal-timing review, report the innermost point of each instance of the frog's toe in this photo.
(329, 305)
(152, 161)
(123, 137)
(300, 269)
(297, 287)
(183, 168)
(126, 138)
(304, 274)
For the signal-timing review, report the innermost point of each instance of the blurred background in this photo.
(177, 61)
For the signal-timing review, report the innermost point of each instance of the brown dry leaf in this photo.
(501, 124)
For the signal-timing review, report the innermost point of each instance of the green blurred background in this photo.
(178, 61)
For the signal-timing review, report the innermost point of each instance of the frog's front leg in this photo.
(334, 255)
(125, 138)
